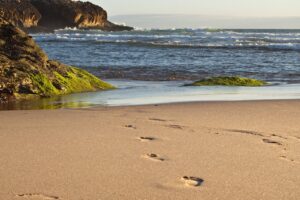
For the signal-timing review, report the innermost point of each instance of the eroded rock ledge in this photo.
(48, 15)
(26, 72)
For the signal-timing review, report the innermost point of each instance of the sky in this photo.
(204, 13)
(242, 8)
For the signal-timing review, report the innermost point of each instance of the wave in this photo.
(183, 33)
(192, 30)
(293, 45)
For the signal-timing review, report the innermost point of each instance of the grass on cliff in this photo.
(229, 81)
(75, 81)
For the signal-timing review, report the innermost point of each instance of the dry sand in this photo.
(217, 150)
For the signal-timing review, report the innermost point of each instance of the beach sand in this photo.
(213, 150)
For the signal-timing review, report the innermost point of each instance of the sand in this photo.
(216, 150)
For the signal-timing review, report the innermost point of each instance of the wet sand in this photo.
(216, 150)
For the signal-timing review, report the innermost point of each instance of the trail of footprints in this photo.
(271, 139)
(190, 181)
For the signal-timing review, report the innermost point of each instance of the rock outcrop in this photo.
(20, 13)
(48, 15)
(229, 81)
(26, 72)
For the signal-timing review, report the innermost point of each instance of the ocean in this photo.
(179, 54)
(150, 65)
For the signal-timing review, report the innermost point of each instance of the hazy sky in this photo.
(245, 8)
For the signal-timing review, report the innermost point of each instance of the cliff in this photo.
(26, 72)
(48, 15)
(19, 13)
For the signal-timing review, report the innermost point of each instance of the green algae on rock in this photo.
(26, 72)
(229, 81)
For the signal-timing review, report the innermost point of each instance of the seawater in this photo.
(179, 54)
(150, 66)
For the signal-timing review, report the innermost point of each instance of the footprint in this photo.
(271, 142)
(154, 157)
(130, 126)
(287, 159)
(38, 196)
(279, 136)
(157, 119)
(245, 132)
(175, 126)
(146, 139)
(192, 181)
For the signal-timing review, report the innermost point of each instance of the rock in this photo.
(26, 72)
(48, 15)
(229, 81)
(20, 13)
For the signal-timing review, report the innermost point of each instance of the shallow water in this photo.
(157, 92)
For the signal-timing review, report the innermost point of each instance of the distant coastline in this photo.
(204, 21)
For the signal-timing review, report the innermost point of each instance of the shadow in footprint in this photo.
(158, 120)
(192, 181)
(279, 136)
(130, 126)
(175, 126)
(271, 142)
(40, 196)
(146, 139)
(245, 132)
(154, 157)
(287, 159)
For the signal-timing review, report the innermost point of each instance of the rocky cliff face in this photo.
(20, 13)
(63, 13)
(48, 15)
(26, 71)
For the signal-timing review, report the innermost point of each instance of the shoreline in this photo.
(132, 93)
(96, 107)
(239, 150)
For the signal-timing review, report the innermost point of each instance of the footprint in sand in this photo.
(175, 126)
(287, 159)
(153, 157)
(130, 126)
(247, 132)
(37, 196)
(279, 136)
(192, 181)
(146, 139)
(158, 120)
(271, 142)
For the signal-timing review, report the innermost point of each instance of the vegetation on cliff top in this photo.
(229, 81)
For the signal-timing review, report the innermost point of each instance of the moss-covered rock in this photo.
(229, 81)
(26, 72)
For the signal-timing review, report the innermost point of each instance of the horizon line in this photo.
(205, 15)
